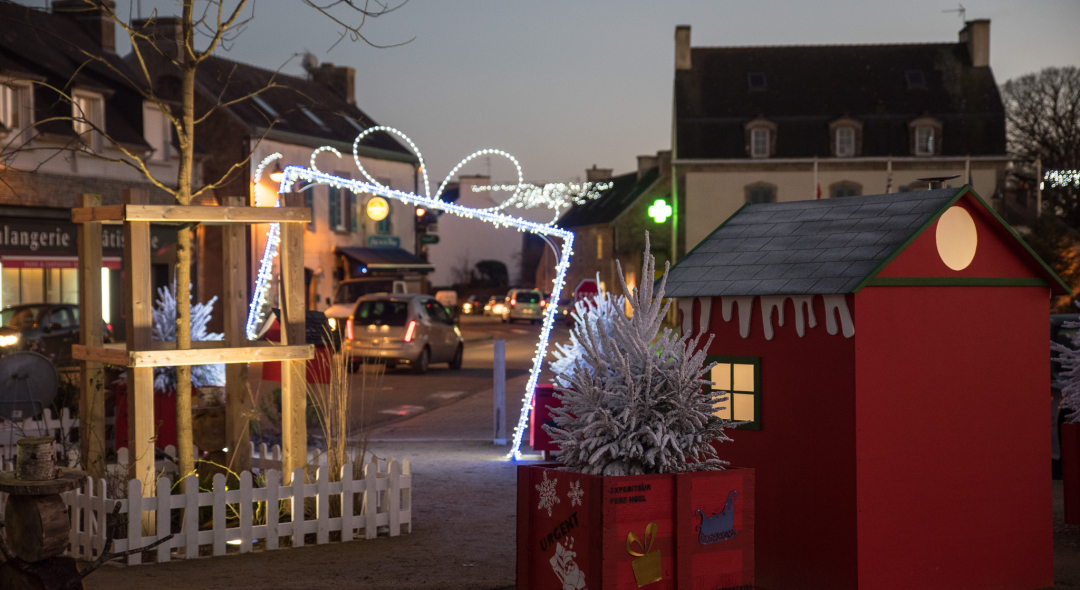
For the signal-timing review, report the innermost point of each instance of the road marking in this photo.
(403, 410)
(517, 331)
(447, 394)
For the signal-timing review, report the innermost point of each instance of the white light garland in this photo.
(524, 196)
(1062, 178)
(554, 196)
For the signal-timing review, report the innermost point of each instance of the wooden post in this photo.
(139, 321)
(92, 378)
(235, 301)
(293, 373)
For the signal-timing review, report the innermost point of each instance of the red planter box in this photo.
(1070, 471)
(687, 531)
(164, 417)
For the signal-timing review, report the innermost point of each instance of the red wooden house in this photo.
(889, 353)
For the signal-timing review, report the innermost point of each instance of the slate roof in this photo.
(807, 87)
(340, 120)
(803, 247)
(625, 189)
(46, 47)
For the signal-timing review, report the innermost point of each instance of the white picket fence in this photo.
(13, 430)
(381, 498)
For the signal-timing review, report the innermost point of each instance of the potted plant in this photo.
(640, 496)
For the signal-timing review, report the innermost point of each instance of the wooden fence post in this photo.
(235, 302)
(139, 323)
(92, 378)
(293, 373)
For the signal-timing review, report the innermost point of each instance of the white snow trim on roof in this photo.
(835, 305)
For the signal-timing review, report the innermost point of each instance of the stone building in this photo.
(786, 123)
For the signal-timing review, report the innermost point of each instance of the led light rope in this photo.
(553, 195)
(525, 196)
(1063, 178)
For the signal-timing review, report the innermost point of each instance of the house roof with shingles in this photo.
(625, 189)
(818, 247)
(295, 110)
(807, 87)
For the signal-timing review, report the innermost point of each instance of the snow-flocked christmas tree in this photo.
(1070, 372)
(634, 399)
(164, 330)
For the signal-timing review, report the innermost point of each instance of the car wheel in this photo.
(420, 365)
(455, 363)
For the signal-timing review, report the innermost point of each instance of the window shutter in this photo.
(309, 202)
(335, 209)
(354, 212)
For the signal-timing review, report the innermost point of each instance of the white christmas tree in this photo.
(164, 330)
(1070, 371)
(634, 399)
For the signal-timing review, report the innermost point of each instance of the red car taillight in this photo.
(543, 303)
(513, 302)
(348, 329)
(410, 331)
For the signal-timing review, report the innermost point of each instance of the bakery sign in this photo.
(48, 237)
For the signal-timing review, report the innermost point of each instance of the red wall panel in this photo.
(953, 442)
(804, 454)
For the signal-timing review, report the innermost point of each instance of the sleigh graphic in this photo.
(720, 526)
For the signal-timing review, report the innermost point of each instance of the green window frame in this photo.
(334, 208)
(742, 381)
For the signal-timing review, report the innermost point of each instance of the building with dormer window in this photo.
(788, 123)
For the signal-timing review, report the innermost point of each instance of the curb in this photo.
(480, 338)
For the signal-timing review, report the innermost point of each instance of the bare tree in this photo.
(207, 25)
(1042, 113)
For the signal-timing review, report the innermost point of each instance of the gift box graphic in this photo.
(647, 565)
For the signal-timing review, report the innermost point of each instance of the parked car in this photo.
(409, 329)
(1062, 335)
(562, 312)
(524, 304)
(48, 328)
(494, 305)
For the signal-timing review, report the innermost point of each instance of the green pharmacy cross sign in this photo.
(660, 211)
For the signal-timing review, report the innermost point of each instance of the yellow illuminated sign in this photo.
(377, 208)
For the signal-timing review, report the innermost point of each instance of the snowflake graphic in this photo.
(548, 497)
(575, 493)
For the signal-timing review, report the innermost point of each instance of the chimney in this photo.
(95, 20)
(595, 174)
(341, 80)
(644, 164)
(663, 160)
(165, 33)
(682, 47)
(976, 33)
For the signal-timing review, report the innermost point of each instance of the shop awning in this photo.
(385, 260)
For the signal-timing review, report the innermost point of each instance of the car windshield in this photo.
(381, 312)
(350, 291)
(21, 317)
(528, 297)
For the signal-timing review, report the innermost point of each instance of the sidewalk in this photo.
(463, 521)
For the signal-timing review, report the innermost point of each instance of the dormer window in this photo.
(16, 107)
(760, 138)
(845, 137)
(88, 118)
(157, 131)
(845, 142)
(915, 79)
(925, 137)
(756, 81)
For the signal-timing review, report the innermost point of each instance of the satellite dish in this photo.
(310, 62)
(28, 383)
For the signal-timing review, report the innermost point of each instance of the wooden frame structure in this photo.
(139, 355)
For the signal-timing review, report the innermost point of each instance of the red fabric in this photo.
(164, 417)
(318, 368)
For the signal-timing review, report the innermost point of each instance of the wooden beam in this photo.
(238, 400)
(97, 213)
(138, 301)
(293, 373)
(91, 334)
(256, 352)
(205, 214)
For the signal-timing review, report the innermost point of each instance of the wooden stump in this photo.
(37, 526)
(35, 459)
(50, 574)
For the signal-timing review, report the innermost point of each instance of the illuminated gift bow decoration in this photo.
(524, 195)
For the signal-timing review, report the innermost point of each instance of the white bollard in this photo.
(500, 392)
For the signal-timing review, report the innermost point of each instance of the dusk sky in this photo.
(565, 84)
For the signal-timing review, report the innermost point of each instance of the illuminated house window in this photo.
(740, 376)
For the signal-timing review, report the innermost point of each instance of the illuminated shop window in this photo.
(740, 376)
